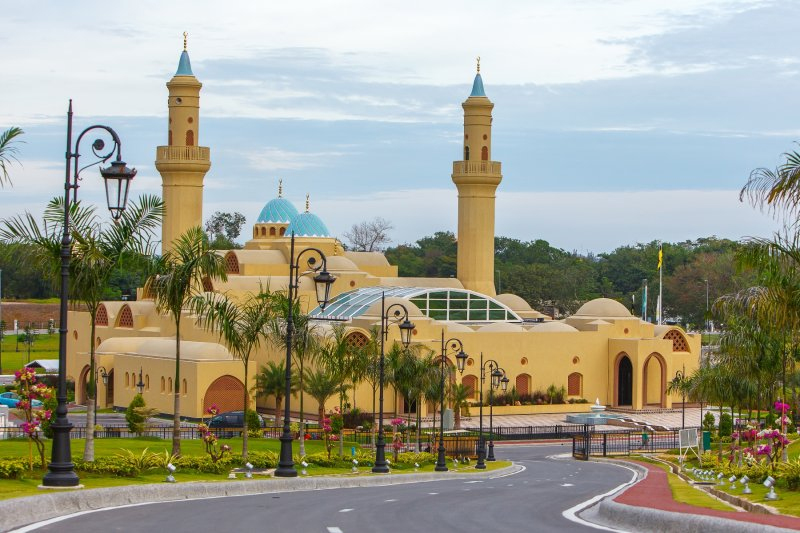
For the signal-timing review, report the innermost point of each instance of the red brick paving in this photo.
(653, 492)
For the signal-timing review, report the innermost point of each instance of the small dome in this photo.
(553, 326)
(513, 301)
(184, 65)
(498, 327)
(307, 225)
(277, 211)
(603, 307)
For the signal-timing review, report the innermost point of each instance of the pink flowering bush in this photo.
(30, 389)
(213, 449)
(327, 431)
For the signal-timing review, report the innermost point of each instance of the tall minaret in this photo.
(477, 178)
(182, 163)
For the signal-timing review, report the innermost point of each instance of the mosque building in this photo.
(601, 352)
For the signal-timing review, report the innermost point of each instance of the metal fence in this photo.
(591, 443)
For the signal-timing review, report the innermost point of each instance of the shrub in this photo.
(133, 417)
(709, 422)
(266, 459)
(790, 474)
(205, 464)
(355, 418)
(725, 425)
(107, 466)
(253, 421)
(407, 459)
(769, 420)
(12, 468)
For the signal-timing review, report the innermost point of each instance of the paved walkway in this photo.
(653, 492)
(670, 419)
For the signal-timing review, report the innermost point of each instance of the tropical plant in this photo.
(8, 152)
(242, 325)
(459, 394)
(336, 356)
(97, 251)
(133, 416)
(321, 385)
(179, 276)
(271, 381)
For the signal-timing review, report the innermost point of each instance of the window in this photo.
(125, 317)
(185, 387)
(207, 285)
(272, 231)
(263, 232)
(231, 263)
(169, 140)
(523, 384)
(189, 138)
(679, 343)
(471, 384)
(485, 153)
(356, 340)
(169, 384)
(283, 231)
(466, 153)
(575, 384)
(147, 382)
(127, 380)
(163, 387)
(102, 316)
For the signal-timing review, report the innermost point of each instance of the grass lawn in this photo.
(44, 347)
(15, 488)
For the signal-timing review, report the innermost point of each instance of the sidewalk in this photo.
(634, 508)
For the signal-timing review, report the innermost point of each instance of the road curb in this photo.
(18, 512)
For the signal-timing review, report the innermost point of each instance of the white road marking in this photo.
(334, 530)
(392, 500)
(571, 514)
(345, 510)
(433, 493)
(474, 481)
(510, 485)
(567, 485)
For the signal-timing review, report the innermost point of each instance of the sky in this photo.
(616, 121)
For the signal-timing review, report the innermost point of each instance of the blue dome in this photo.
(307, 225)
(477, 86)
(277, 211)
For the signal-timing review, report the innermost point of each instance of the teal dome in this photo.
(277, 211)
(477, 86)
(307, 225)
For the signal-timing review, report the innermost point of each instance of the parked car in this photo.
(11, 399)
(232, 420)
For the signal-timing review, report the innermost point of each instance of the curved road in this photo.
(531, 500)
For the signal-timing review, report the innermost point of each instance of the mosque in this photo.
(602, 351)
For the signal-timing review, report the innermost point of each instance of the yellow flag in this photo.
(660, 257)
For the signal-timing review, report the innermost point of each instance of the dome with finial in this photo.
(184, 65)
(307, 225)
(477, 85)
(278, 210)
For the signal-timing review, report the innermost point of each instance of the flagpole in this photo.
(660, 279)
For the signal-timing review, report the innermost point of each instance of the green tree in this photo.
(271, 381)
(223, 229)
(321, 385)
(337, 357)
(97, 250)
(459, 395)
(133, 416)
(179, 276)
(8, 152)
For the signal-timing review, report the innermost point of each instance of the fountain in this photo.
(598, 416)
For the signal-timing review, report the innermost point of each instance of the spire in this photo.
(307, 204)
(185, 35)
(478, 58)
(184, 65)
(280, 188)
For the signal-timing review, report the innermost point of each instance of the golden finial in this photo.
(185, 35)
(280, 188)
(307, 195)
(479, 64)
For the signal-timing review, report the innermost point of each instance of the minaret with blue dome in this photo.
(182, 162)
(476, 176)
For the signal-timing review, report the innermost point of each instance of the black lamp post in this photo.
(679, 377)
(104, 375)
(481, 444)
(400, 315)
(140, 385)
(499, 379)
(454, 346)
(322, 283)
(61, 471)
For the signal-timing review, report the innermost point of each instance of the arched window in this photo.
(272, 231)
(679, 343)
(189, 138)
(263, 232)
(226, 392)
(207, 285)
(485, 153)
(466, 153)
(575, 384)
(163, 384)
(127, 380)
(169, 140)
(356, 340)
(283, 231)
(471, 384)
(169, 384)
(147, 382)
(523, 384)
(185, 387)
(125, 319)
(231, 263)
(101, 319)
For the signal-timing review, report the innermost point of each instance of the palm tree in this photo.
(305, 347)
(271, 381)
(180, 274)
(321, 385)
(336, 356)
(777, 189)
(97, 251)
(459, 394)
(241, 325)
(8, 152)
(372, 374)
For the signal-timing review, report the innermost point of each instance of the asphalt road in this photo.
(531, 500)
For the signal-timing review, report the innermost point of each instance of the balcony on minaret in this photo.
(491, 168)
(183, 158)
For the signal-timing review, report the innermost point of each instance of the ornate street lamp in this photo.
(322, 283)
(61, 470)
(499, 379)
(457, 347)
(399, 315)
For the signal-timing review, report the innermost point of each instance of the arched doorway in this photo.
(654, 379)
(82, 387)
(624, 381)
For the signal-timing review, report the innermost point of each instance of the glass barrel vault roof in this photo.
(439, 304)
